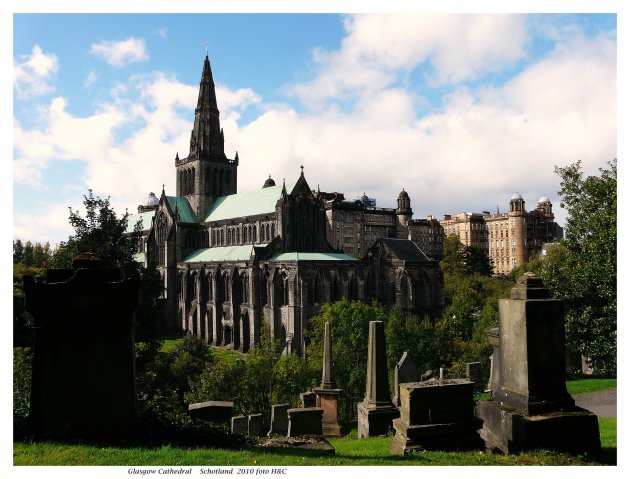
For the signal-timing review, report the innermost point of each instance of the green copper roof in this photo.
(223, 253)
(144, 218)
(312, 257)
(182, 206)
(252, 203)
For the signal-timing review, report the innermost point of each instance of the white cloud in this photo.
(379, 48)
(471, 155)
(90, 79)
(121, 53)
(32, 74)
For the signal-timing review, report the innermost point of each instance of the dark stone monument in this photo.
(83, 382)
(305, 421)
(473, 374)
(279, 419)
(376, 412)
(213, 411)
(238, 424)
(531, 407)
(436, 414)
(327, 394)
(255, 425)
(308, 399)
(404, 372)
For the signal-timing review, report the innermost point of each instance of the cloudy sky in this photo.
(459, 110)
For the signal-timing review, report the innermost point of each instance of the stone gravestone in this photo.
(376, 412)
(255, 425)
(404, 372)
(305, 421)
(238, 424)
(473, 374)
(531, 407)
(279, 419)
(83, 380)
(327, 394)
(493, 339)
(309, 399)
(213, 411)
(436, 414)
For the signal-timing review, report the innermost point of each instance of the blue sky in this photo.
(460, 110)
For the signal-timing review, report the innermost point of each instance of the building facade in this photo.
(232, 263)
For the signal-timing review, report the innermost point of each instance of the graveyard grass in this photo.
(350, 451)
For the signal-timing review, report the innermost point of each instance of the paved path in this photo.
(603, 403)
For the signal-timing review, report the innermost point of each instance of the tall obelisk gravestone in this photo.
(327, 395)
(376, 412)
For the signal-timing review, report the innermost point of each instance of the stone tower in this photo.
(403, 215)
(206, 173)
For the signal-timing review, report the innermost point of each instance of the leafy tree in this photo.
(454, 256)
(429, 343)
(18, 250)
(587, 277)
(101, 232)
(27, 254)
(349, 329)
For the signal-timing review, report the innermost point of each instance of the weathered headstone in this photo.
(436, 414)
(305, 421)
(213, 411)
(495, 360)
(308, 399)
(531, 407)
(239, 425)
(473, 374)
(376, 412)
(255, 425)
(279, 419)
(405, 371)
(83, 380)
(327, 394)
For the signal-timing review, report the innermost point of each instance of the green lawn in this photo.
(350, 451)
(580, 386)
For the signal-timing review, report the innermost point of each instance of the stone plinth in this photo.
(83, 381)
(238, 425)
(376, 412)
(255, 425)
(279, 419)
(436, 415)
(213, 411)
(305, 421)
(531, 407)
(511, 431)
(328, 400)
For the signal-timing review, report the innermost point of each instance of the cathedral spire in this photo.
(206, 138)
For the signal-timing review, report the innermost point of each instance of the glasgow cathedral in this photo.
(233, 263)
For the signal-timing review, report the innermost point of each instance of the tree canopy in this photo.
(586, 273)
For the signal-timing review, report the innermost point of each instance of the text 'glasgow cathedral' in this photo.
(232, 262)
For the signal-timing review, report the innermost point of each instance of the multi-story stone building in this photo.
(233, 263)
(353, 226)
(509, 239)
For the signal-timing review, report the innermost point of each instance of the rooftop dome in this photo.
(152, 201)
(269, 182)
(403, 194)
(544, 199)
(516, 196)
